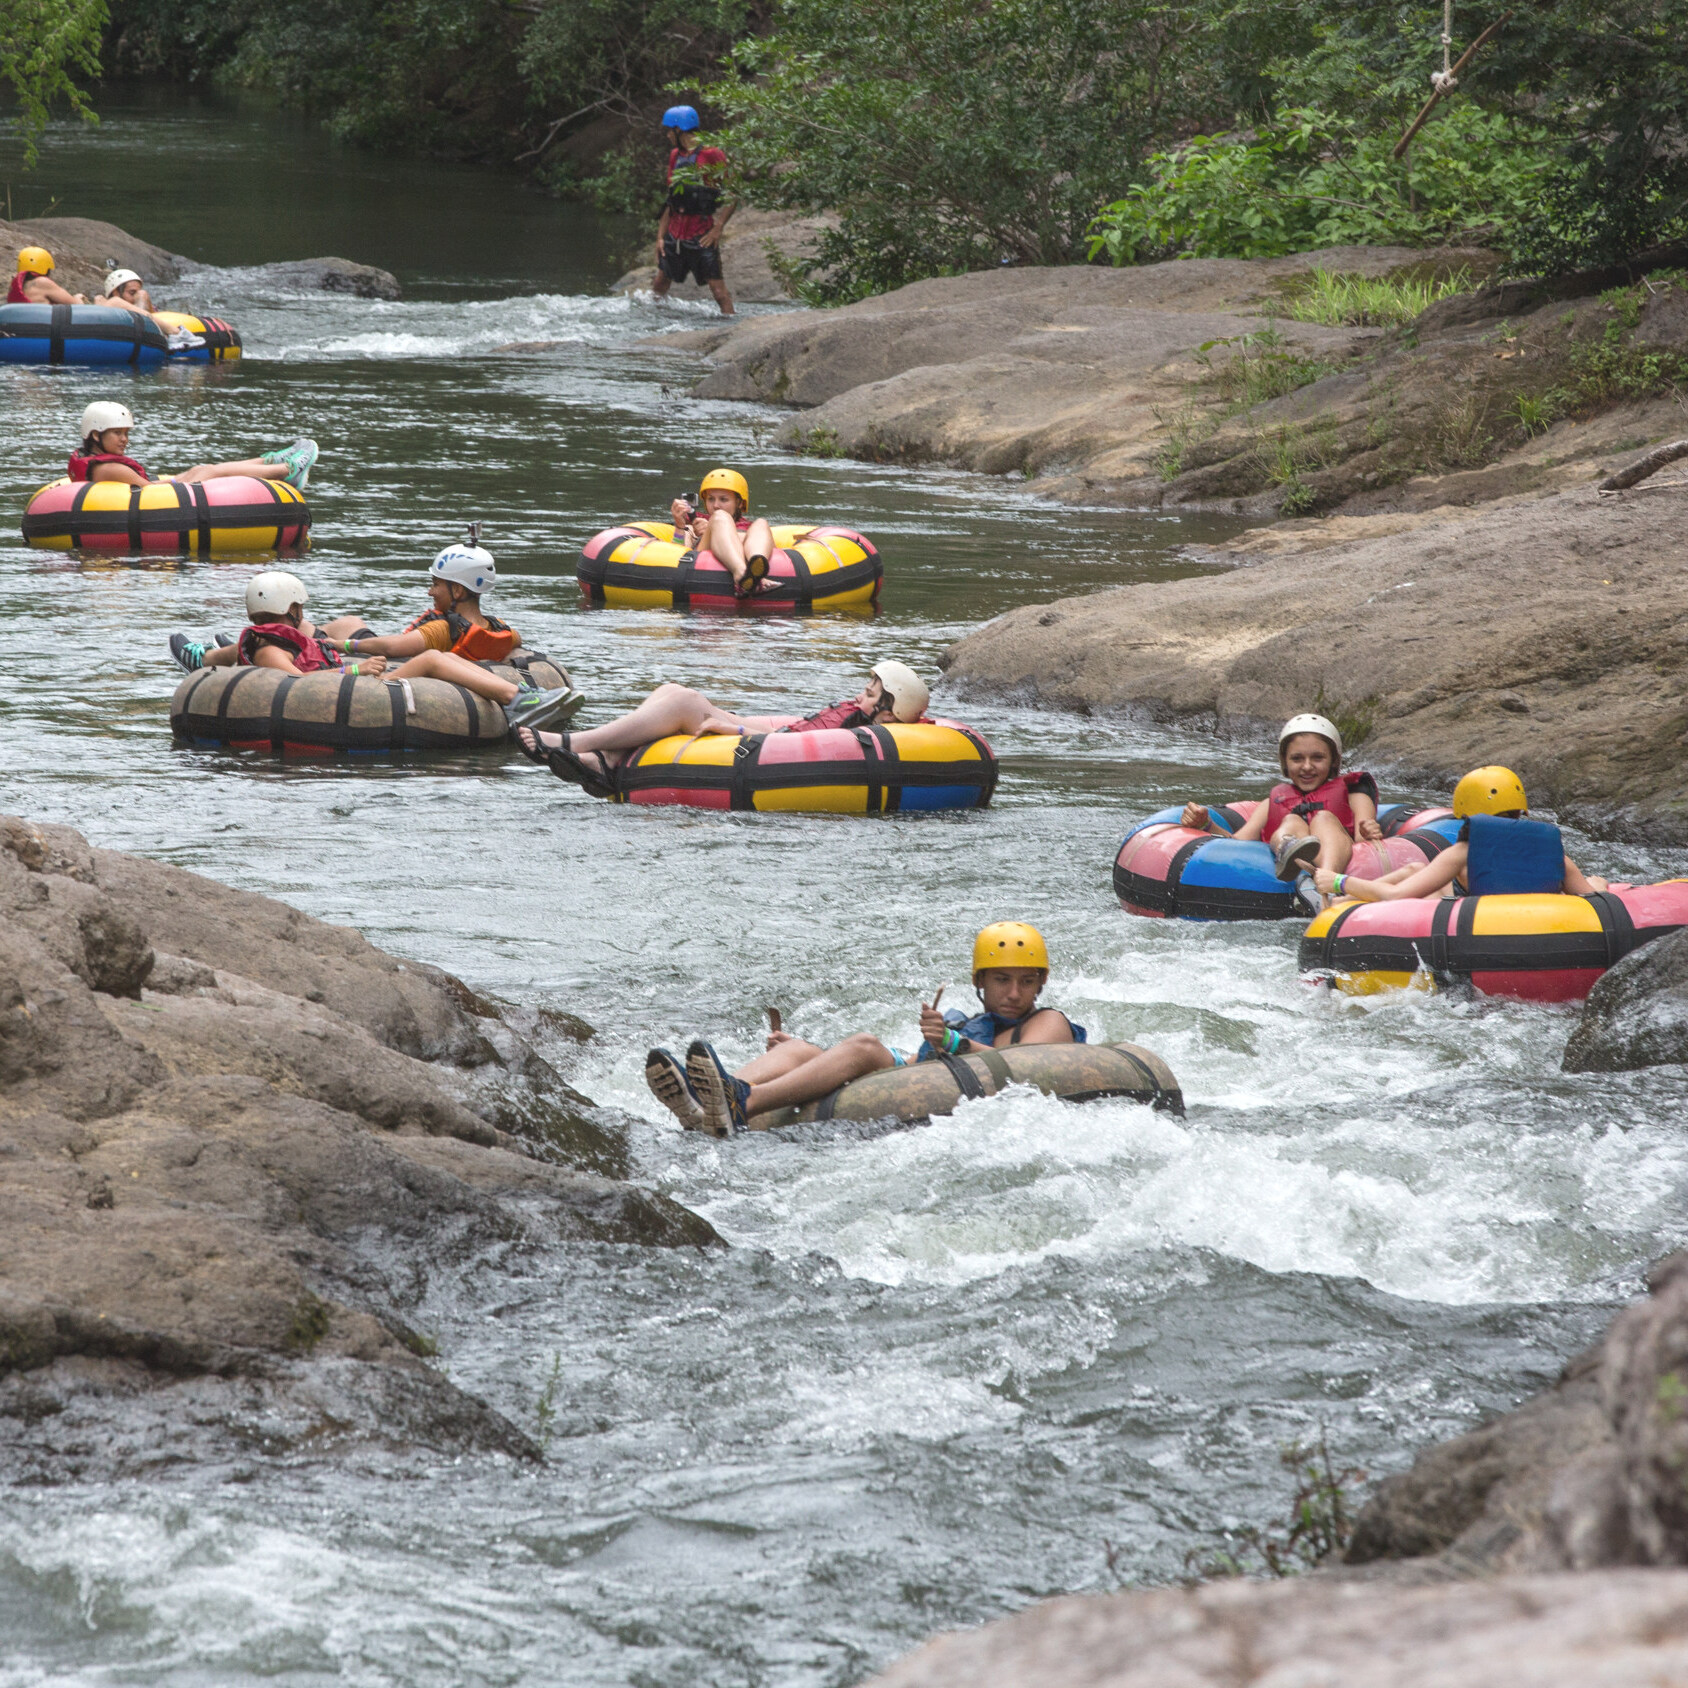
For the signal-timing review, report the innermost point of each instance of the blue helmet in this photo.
(683, 118)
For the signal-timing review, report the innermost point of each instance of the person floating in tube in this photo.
(454, 620)
(720, 523)
(1312, 819)
(278, 636)
(688, 234)
(894, 692)
(125, 291)
(34, 285)
(1500, 852)
(103, 455)
(1010, 969)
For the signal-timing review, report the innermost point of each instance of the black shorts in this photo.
(681, 258)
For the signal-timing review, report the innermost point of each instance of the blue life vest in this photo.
(986, 1028)
(1509, 857)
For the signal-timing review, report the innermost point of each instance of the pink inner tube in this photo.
(169, 516)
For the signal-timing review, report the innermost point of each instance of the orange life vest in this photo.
(492, 643)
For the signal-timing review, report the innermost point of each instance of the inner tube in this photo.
(1542, 947)
(1076, 1072)
(841, 771)
(1167, 870)
(326, 713)
(231, 513)
(222, 339)
(95, 336)
(645, 566)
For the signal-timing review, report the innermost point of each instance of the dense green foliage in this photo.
(45, 45)
(952, 135)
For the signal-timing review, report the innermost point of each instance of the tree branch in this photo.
(1642, 467)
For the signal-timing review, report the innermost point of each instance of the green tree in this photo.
(953, 135)
(44, 46)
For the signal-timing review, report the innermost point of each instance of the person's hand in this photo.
(710, 236)
(700, 527)
(372, 665)
(1370, 831)
(677, 514)
(1325, 880)
(715, 722)
(932, 1025)
(659, 253)
(80, 298)
(1596, 883)
(775, 1039)
(1194, 816)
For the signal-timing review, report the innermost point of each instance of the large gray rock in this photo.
(1637, 1013)
(234, 1138)
(1616, 1629)
(324, 275)
(745, 263)
(83, 249)
(1539, 634)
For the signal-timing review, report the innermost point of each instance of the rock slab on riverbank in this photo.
(1618, 1629)
(1542, 634)
(234, 1142)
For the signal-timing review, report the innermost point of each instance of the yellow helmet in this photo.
(1489, 791)
(1009, 943)
(36, 259)
(727, 480)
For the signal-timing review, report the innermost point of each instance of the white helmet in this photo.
(103, 414)
(904, 689)
(273, 594)
(1310, 724)
(467, 566)
(119, 278)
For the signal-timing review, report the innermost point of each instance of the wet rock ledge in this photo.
(234, 1144)
(1542, 633)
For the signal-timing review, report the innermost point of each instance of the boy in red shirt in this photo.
(688, 235)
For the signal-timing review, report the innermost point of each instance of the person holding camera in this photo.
(720, 524)
(688, 234)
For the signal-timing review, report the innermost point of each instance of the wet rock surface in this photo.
(82, 250)
(1535, 633)
(745, 263)
(1627, 1628)
(326, 275)
(1637, 1013)
(234, 1141)
(1586, 1475)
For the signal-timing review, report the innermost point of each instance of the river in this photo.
(941, 1373)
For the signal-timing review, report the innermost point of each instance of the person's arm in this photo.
(718, 220)
(1196, 818)
(273, 656)
(45, 291)
(1422, 882)
(116, 472)
(401, 645)
(1047, 1025)
(1255, 826)
(1578, 883)
(661, 231)
(934, 1027)
(1365, 817)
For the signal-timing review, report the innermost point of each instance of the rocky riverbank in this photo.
(1542, 633)
(1189, 384)
(82, 250)
(234, 1144)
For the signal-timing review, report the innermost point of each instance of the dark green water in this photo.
(940, 1369)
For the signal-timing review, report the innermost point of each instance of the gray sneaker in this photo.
(300, 458)
(542, 709)
(1296, 856)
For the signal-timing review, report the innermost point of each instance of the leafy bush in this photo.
(44, 46)
(1310, 179)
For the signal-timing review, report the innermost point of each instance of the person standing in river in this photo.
(688, 234)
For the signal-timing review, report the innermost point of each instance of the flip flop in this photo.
(755, 572)
(567, 765)
(527, 741)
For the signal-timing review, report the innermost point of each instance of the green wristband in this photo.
(1341, 880)
(352, 668)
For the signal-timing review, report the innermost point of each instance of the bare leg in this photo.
(442, 665)
(722, 297)
(342, 627)
(253, 466)
(1336, 848)
(724, 541)
(224, 656)
(669, 709)
(662, 284)
(759, 541)
(812, 1072)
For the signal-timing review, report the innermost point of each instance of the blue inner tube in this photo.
(1221, 879)
(87, 335)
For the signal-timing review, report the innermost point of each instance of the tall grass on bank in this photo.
(1357, 301)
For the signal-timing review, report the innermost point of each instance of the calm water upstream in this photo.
(941, 1369)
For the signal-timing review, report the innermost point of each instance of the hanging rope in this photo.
(1444, 81)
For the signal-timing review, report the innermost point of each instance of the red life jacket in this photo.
(839, 715)
(491, 643)
(81, 462)
(15, 294)
(1332, 797)
(309, 655)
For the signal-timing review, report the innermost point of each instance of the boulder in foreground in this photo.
(1637, 1013)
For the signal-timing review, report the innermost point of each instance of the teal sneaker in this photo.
(190, 653)
(300, 458)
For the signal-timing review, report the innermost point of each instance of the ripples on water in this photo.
(941, 1367)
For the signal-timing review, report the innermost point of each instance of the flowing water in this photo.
(941, 1373)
